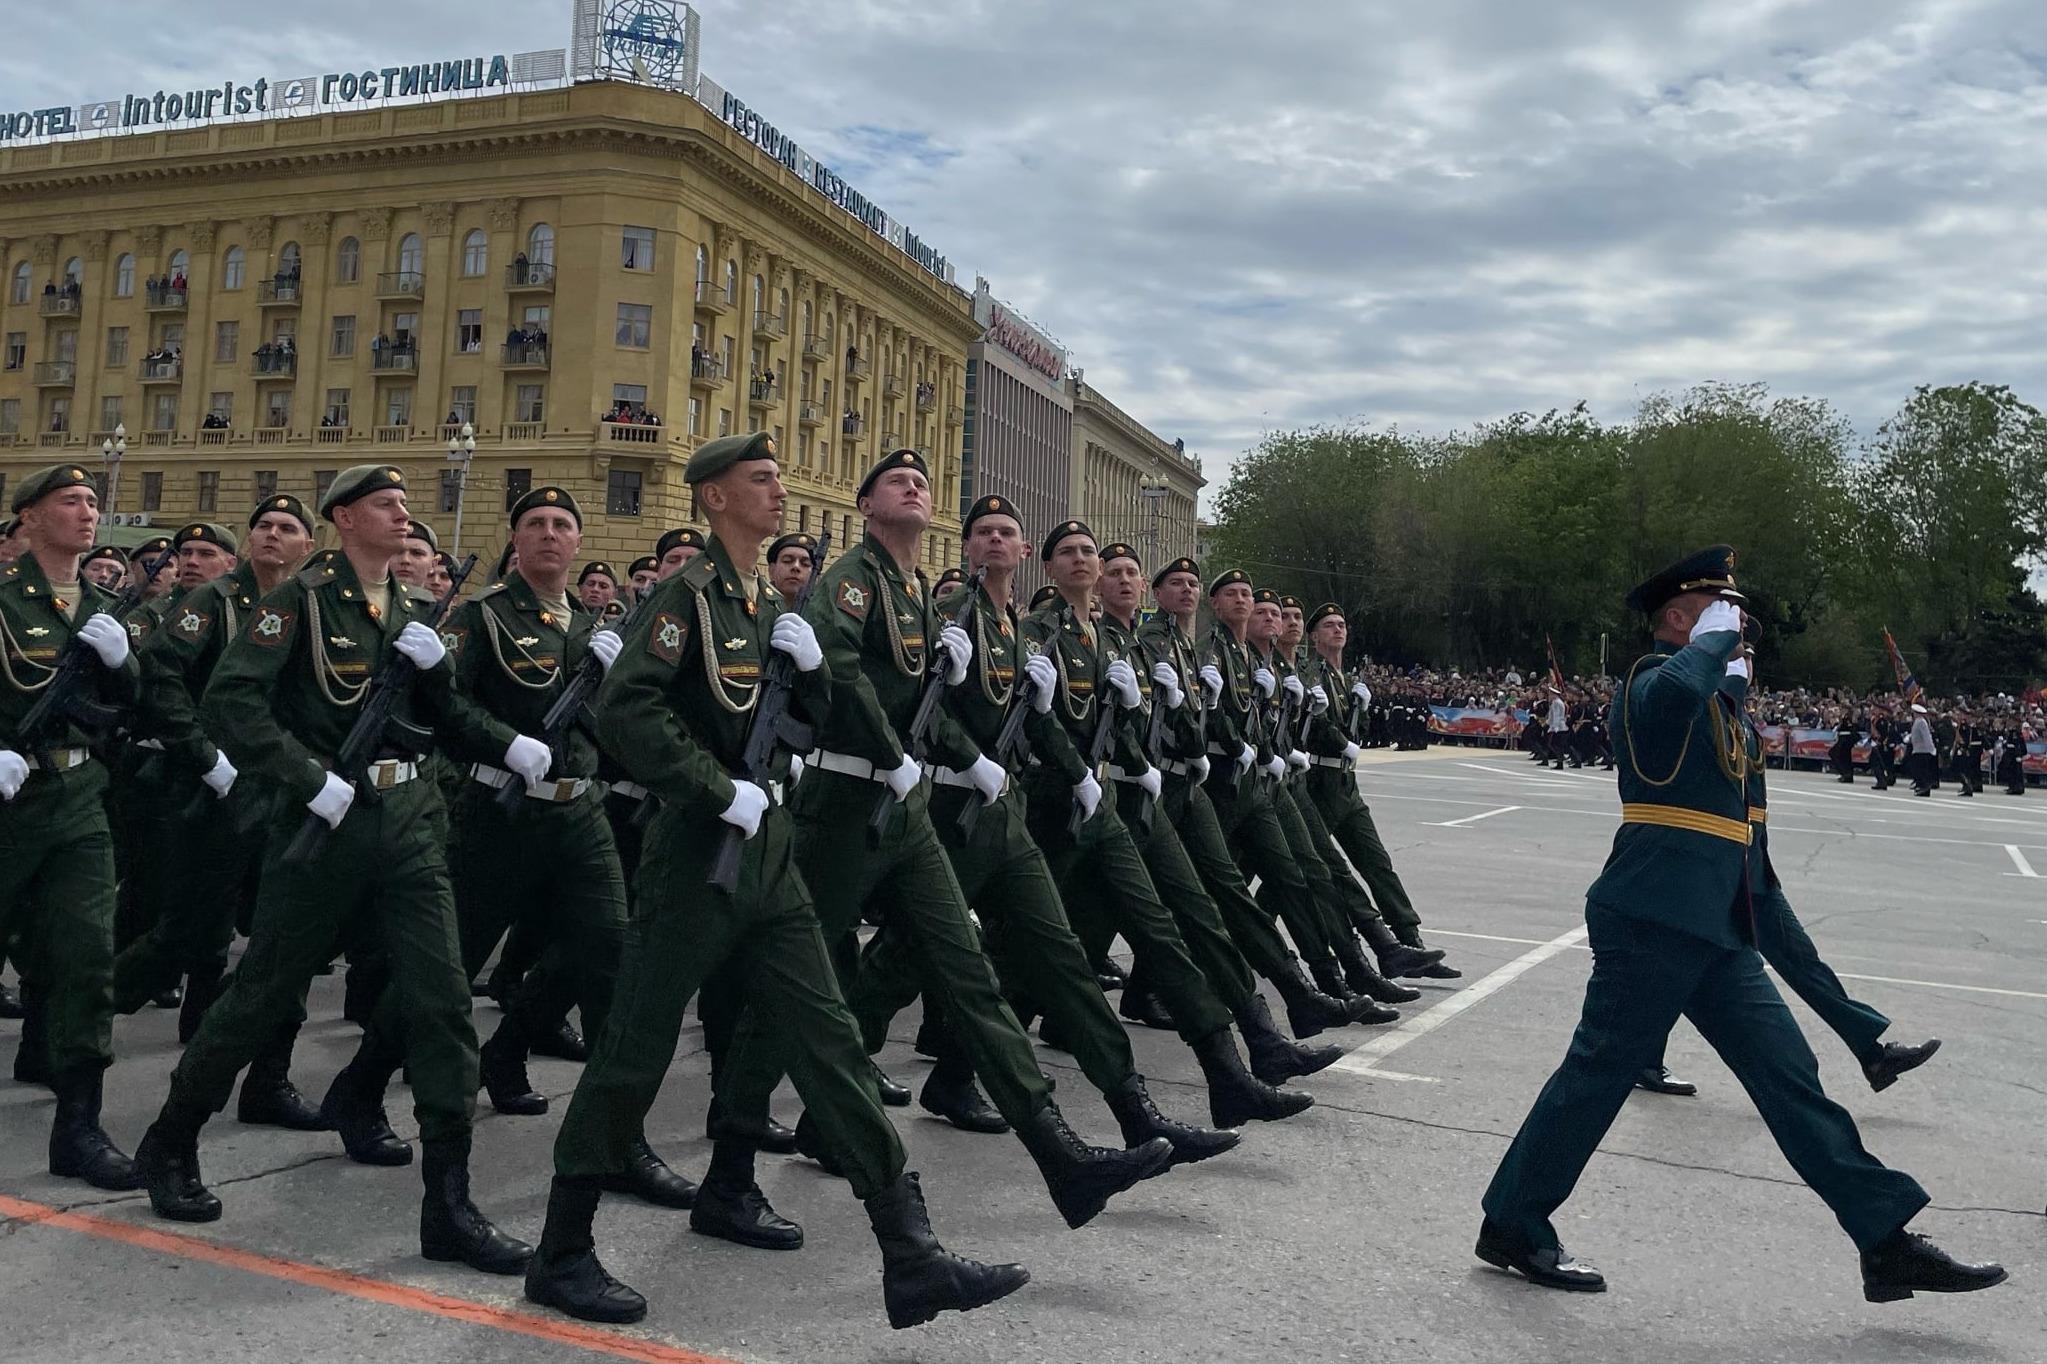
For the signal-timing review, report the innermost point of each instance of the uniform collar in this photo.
(520, 595)
(240, 583)
(726, 577)
(344, 582)
(25, 575)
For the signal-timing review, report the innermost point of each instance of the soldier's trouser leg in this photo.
(1782, 940)
(1350, 905)
(1260, 847)
(628, 837)
(1350, 823)
(151, 809)
(682, 931)
(1208, 943)
(57, 889)
(210, 863)
(1329, 905)
(1249, 926)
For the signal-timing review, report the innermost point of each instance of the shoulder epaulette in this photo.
(700, 572)
(315, 573)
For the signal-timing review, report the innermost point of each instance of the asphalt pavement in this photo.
(1344, 1234)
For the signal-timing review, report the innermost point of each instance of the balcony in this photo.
(401, 284)
(852, 427)
(817, 348)
(217, 435)
(517, 431)
(60, 305)
(707, 372)
(161, 439)
(892, 386)
(56, 373)
(165, 371)
(55, 439)
(163, 298)
(526, 355)
(330, 435)
(278, 293)
(810, 414)
(927, 398)
(275, 365)
(770, 326)
(533, 277)
(858, 367)
(632, 433)
(273, 435)
(391, 435)
(955, 414)
(763, 393)
(892, 440)
(714, 299)
(394, 360)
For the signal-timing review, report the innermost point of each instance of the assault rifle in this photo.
(359, 749)
(927, 707)
(771, 727)
(567, 710)
(64, 698)
(1098, 745)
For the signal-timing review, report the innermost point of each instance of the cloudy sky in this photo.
(1248, 217)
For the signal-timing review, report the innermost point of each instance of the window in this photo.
(405, 328)
(802, 519)
(227, 340)
(209, 490)
(10, 416)
(17, 289)
(67, 346)
(637, 249)
(181, 265)
(530, 403)
(232, 268)
(760, 295)
(277, 408)
(622, 493)
(74, 271)
(538, 315)
(337, 408)
(724, 421)
(124, 277)
(173, 337)
(163, 412)
(284, 329)
(342, 342)
(732, 280)
(348, 261)
(451, 490)
(60, 414)
(411, 255)
(461, 405)
(152, 491)
(476, 255)
(518, 482)
(266, 485)
(631, 394)
(117, 347)
(288, 262)
(696, 416)
(17, 349)
(635, 324)
(323, 479)
(469, 331)
(540, 245)
(398, 407)
(221, 405)
(110, 412)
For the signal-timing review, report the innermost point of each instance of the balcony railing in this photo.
(219, 435)
(278, 293)
(161, 439)
(279, 364)
(772, 326)
(817, 348)
(892, 386)
(893, 440)
(927, 398)
(56, 373)
(392, 435)
(632, 433)
(764, 392)
(60, 305)
(394, 360)
(707, 371)
(713, 298)
(171, 371)
(401, 284)
(163, 298)
(525, 355)
(330, 435)
(523, 430)
(53, 440)
(955, 414)
(852, 428)
(272, 435)
(810, 414)
(532, 277)
(859, 367)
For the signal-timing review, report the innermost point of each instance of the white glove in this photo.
(1362, 692)
(1297, 760)
(904, 779)
(1738, 668)
(528, 759)
(1212, 679)
(1124, 680)
(106, 637)
(1318, 700)
(1246, 755)
(1294, 687)
(1166, 677)
(1197, 769)
(1720, 615)
(1275, 767)
(988, 778)
(13, 772)
(795, 769)
(749, 803)
(606, 644)
(1044, 675)
(333, 801)
(1152, 782)
(959, 652)
(221, 776)
(420, 644)
(1266, 681)
(1351, 752)
(793, 636)
(1089, 793)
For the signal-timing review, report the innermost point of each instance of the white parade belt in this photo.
(559, 791)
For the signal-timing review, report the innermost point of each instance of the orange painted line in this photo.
(554, 1330)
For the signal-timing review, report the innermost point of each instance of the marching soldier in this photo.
(677, 709)
(104, 567)
(284, 696)
(644, 571)
(57, 878)
(789, 561)
(596, 586)
(675, 549)
(413, 564)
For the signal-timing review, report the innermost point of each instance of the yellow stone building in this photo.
(261, 304)
(1129, 483)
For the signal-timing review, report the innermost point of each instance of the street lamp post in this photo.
(111, 451)
(1154, 491)
(461, 451)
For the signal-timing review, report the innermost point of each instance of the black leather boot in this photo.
(648, 1177)
(950, 1093)
(1364, 1007)
(1109, 975)
(450, 1227)
(921, 1278)
(1144, 1007)
(354, 1108)
(170, 997)
(501, 1065)
(79, 1147)
(564, 1272)
(269, 1098)
(1363, 977)
(1235, 1095)
(1308, 1010)
(1395, 957)
(1893, 1059)
(1141, 1121)
(1906, 1263)
(1410, 935)
(168, 1163)
(1275, 1058)
(892, 1094)
(771, 1136)
(731, 1207)
(562, 1042)
(1328, 977)
(1084, 1178)
(10, 1002)
(202, 987)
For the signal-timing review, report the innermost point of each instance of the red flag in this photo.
(1907, 683)
(1556, 672)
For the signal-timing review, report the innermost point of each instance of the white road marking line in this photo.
(2018, 860)
(1420, 1025)
(1473, 819)
(1395, 1075)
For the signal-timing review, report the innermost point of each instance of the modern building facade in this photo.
(261, 304)
(1129, 484)
(1018, 437)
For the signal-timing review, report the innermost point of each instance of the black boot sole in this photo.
(740, 1236)
(619, 1314)
(902, 1316)
(452, 1254)
(304, 1118)
(528, 1105)
(1899, 1292)
(1500, 1259)
(1081, 1206)
(115, 1180)
(986, 1122)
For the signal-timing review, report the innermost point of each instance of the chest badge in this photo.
(546, 618)
(528, 641)
(340, 642)
(734, 643)
(37, 631)
(376, 612)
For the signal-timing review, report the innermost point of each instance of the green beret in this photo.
(991, 506)
(112, 552)
(43, 482)
(447, 562)
(353, 484)
(1265, 596)
(286, 503)
(549, 496)
(646, 563)
(1063, 530)
(420, 530)
(1324, 612)
(681, 535)
(952, 575)
(1291, 604)
(714, 457)
(1187, 566)
(1229, 579)
(1119, 550)
(596, 567)
(205, 532)
(149, 548)
(1710, 570)
(795, 539)
(895, 459)
(1043, 595)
